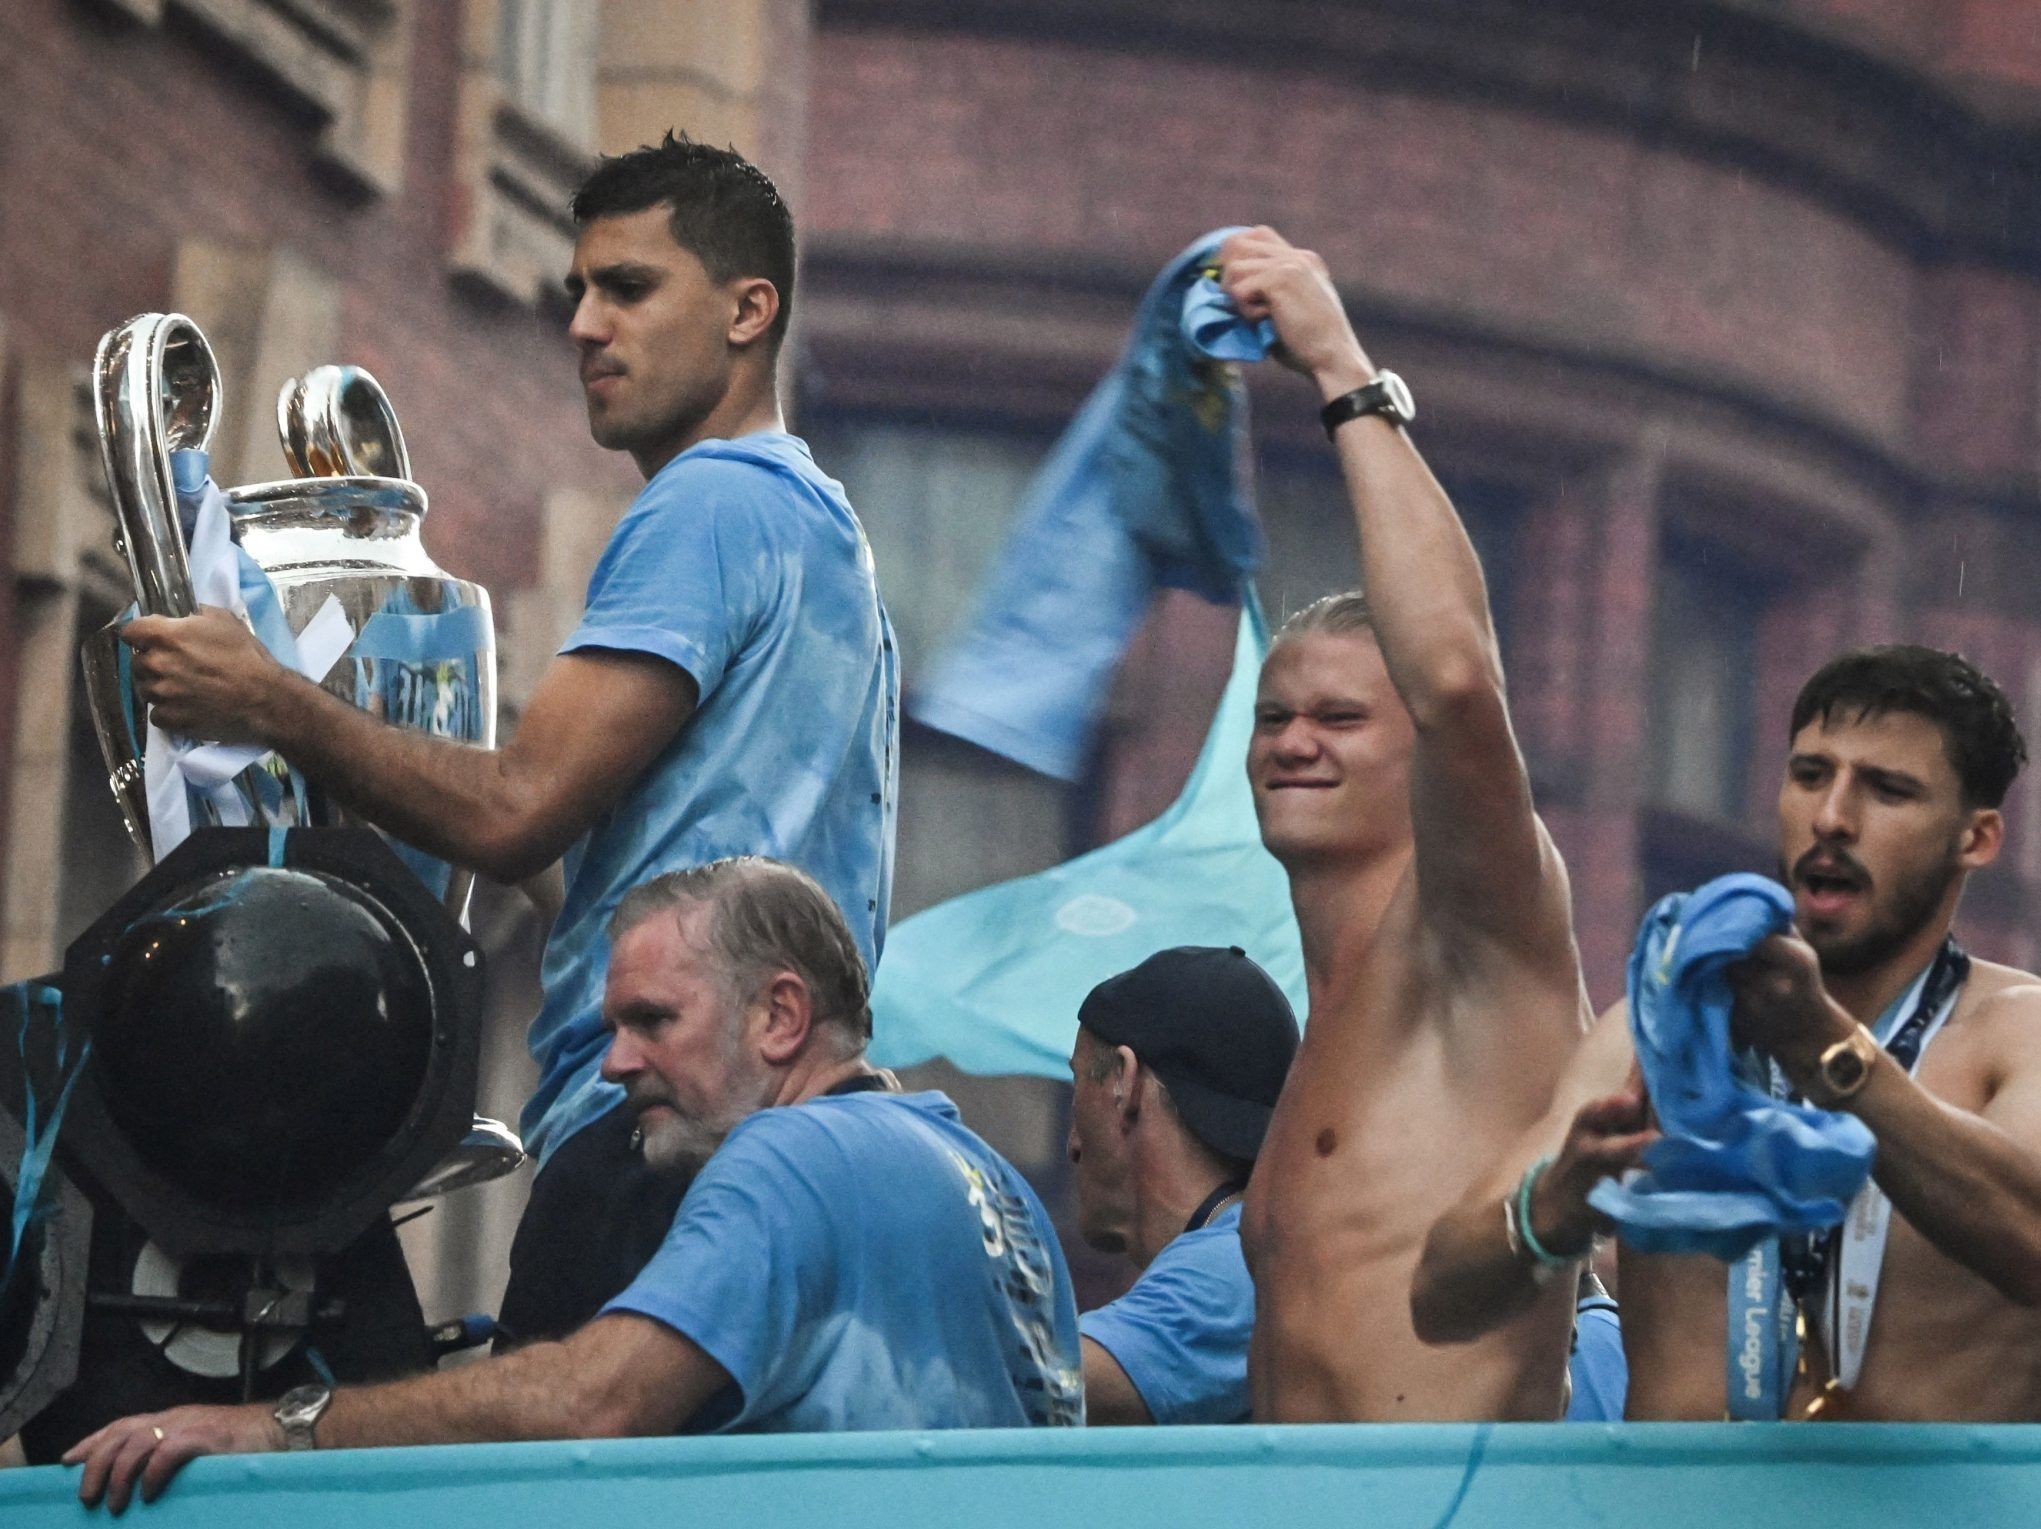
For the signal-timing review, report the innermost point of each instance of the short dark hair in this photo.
(1976, 719)
(765, 916)
(724, 210)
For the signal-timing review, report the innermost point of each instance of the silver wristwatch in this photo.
(298, 1413)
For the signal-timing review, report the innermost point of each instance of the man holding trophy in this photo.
(731, 689)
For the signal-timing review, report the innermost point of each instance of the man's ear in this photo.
(758, 304)
(789, 1016)
(1981, 840)
(1128, 1077)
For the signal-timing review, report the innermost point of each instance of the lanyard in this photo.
(1761, 1346)
(1209, 1207)
(1855, 1251)
(47, 1078)
(860, 1083)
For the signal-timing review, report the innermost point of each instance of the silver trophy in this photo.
(346, 529)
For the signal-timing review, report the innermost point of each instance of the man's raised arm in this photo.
(1484, 865)
(596, 719)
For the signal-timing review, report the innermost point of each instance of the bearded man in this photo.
(1923, 1305)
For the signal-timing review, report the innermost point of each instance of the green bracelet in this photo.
(1545, 1257)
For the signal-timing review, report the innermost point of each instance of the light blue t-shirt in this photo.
(1181, 1333)
(865, 1262)
(1601, 1375)
(741, 563)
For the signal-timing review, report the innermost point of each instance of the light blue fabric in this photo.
(52, 1058)
(992, 980)
(1213, 327)
(866, 1262)
(1147, 488)
(1181, 1333)
(1601, 1375)
(422, 669)
(741, 563)
(1735, 1165)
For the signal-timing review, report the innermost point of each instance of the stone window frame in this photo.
(550, 63)
(347, 60)
(513, 238)
(65, 571)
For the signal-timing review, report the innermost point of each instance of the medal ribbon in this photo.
(1854, 1253)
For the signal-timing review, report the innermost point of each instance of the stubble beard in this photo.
(1915, 904)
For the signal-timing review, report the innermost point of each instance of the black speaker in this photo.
(280, 1035)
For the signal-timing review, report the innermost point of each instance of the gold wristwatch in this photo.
(1846, 1066)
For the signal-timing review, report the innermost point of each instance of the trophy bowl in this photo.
(424, 651)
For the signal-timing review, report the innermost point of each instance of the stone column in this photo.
(1614, 711)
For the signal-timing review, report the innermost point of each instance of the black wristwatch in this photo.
(298, 1412)
(1388, 395)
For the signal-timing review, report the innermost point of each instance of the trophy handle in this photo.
(336, 422)
(157, 388)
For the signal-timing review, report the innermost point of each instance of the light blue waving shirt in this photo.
(992, 980)
(1181, 1333)
(741, 563)
(866, 1262)
(1149, 487)
(1735, 1165)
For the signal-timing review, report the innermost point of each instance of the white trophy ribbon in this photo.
(172, 766)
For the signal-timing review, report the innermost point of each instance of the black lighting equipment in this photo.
(42, 1302)
(284, 1040)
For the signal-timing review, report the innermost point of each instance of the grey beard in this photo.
(678, 1145)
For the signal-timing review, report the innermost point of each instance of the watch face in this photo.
(1398, 394)
(1845, 1070)
(302, 1404)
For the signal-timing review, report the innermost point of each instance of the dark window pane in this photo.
(1703, 667)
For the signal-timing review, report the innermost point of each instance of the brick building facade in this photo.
(1724, 318)
(381, 182)
(1725, 321)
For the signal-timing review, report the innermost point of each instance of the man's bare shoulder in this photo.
(2003, 1005)
(2000, 1025)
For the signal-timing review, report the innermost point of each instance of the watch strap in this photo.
(1387, 396)
(298, 1412)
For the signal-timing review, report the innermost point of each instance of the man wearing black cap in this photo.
(1177, 1067)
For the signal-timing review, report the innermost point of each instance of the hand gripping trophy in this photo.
(280, 1022)
(339, 546)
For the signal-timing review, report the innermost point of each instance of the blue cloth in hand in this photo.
(1150, 487)
(1213, 327)
(1735, 1165)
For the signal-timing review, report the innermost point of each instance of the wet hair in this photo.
(765, 917)
(1976, 720)
(1342, 615)
(724, 210)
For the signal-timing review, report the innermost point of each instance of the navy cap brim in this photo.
(1229, 1125)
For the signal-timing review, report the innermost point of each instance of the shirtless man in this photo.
(1445, 991)
(1900, 759)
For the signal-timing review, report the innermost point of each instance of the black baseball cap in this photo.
(1214, 1027)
